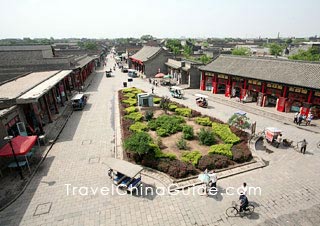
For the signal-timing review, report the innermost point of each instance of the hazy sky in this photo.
(161, 18)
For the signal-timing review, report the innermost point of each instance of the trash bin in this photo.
(124, 84)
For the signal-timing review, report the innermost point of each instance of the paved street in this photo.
(290, 183)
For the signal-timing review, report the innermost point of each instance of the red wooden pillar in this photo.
(65, 89)
(263, 88)
(285, 90)
(228, 88)
(47, 108)
(203, 81)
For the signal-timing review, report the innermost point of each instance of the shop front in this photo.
(253, 90)
(238, 89)
(222, 86)
(296, 98)
(315, 108)
(273, 92)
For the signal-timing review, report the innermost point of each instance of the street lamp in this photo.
(9, 138)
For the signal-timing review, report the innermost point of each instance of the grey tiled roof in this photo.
(146, 53)
(296, 73)
(25, 48)
(175, 66)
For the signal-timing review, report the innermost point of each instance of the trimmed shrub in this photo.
(241, 153)
(148, 115)
(182, 144)
(204, 121)
(135, 116)
(206, 137)
(156, 100)
(166, 125)
(192, 157)
(138, 143)
(195, 113)
(138, 127)
(221, 149)
(176, 168)
(160, 154)
(224, 132)
(130, 110)
(132, 90)
(172, 107)
(130, 101)
(211, 162)
(188, 133)
(130, 95)
(186, 112)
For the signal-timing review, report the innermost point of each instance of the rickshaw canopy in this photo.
(124, 167)
(201, 95)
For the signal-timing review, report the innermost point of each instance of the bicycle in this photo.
(234, 210)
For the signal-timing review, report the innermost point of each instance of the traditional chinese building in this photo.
(149, 60)
(286, 85)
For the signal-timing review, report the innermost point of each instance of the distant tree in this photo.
(146, 37)
(275, 49)
(205, 59)
(173, 44)
(175, 51)
(187, 50)
(312, 54)
(205, 44)
(241, 51)
(289, 41)
(90, 46)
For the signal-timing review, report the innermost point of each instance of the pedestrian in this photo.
(309, 119)
(303, 146)
(279, 140)
(150, 80)
(156, 83)
(213, 180)
(295, 119)
(152, 89)
(300, 118)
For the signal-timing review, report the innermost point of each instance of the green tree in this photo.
(275, 49)
(175, 51)
(187, 50)
(241, 51)
(90, 46)
(146, 37)
(173, 44)
(139, 143)
(205, 59)
(312, 54)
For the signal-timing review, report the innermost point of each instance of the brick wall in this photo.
(152, 66)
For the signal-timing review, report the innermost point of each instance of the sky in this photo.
(161, 18)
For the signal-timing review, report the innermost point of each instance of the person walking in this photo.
(309, 119)
(303, 146)
(295, 118)
(152, 89)
(300, 118)
(213, 180)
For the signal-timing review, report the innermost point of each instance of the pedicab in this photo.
(125, 175)
(79, 101)
(176, 92)
(201, 100)
(271, 135)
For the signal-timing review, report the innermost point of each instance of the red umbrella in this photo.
(21, 146)
(159, 75)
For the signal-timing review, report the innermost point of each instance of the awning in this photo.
(124, 167)
(159, 75)
(135, 60)
(21, 146)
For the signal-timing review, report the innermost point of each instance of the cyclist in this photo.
(243, 202)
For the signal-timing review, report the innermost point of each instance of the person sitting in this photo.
(244, 202)
(279, 140)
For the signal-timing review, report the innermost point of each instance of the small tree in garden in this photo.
(188, 133)
(164, 104)
(239, 121)
(148, 115)
(206, 137)
(182, 144)
(139, 143)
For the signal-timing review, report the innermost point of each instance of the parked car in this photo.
(132, 73)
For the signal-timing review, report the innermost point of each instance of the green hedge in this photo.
(160, 154)
(136, 116)
(186, 112)
(172, 107)
(130, 95)
(133, 90)
(204, 121)
(138, 127)
(224, 132)
(156, 100)
(165, 125)
(188, 132)
(192, 157)
(130, 101)
(130, 110)
(221, 149)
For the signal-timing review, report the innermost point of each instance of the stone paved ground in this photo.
(290, 183)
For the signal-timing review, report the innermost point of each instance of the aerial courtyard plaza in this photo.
(205, 113)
